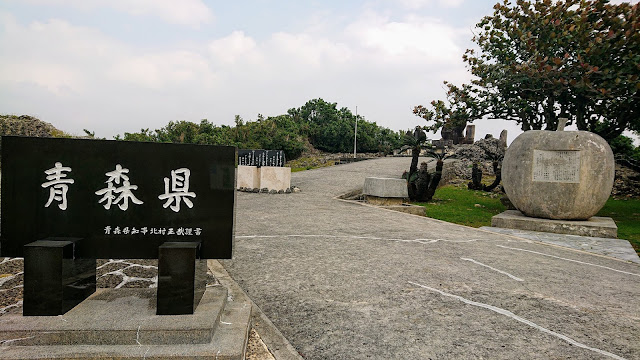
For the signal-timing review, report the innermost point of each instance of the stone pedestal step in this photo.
(617, 248)
(595, 226)
(122, 324)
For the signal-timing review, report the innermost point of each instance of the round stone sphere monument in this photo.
(564, 175)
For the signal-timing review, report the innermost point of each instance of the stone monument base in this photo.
(407, 208)
(122, 324)
(274, 177)
(384, 201)
(269, 177)
(247, 177)
(595, 226)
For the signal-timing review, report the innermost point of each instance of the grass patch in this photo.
(309, 167)
(308, 163)
(626, 214)
(459, 205)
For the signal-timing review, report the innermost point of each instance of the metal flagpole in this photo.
(355, 134)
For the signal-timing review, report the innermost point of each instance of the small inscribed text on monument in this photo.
(147, 230)
(556, 166)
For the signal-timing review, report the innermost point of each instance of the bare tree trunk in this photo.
(411, 184)
(435, 180)
(498, 171)
(476, 178)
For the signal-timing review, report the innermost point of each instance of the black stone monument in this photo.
(261, 158)
(66, 202)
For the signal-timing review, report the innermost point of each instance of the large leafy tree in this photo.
(460, 107)
(331, 128)
(317, 122)
(538, 61)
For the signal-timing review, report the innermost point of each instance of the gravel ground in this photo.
(110, 273)
(256, 349)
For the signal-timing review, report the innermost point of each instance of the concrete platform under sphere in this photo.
(595, 226)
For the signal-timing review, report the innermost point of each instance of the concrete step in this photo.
(617, 248)
(595, 226)
(121, 324)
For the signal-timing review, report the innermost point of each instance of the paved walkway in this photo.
(346, 281)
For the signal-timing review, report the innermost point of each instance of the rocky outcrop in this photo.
(626, 183)
(481, 152)
(26, 125)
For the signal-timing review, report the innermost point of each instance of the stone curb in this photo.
(277, 344)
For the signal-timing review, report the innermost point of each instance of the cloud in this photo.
(424, 38)
(162, 70)
(419, 4)
(184, 12)
(312, 51)
(233, 48)
(78, 77)
(54, 54)
(60, 56)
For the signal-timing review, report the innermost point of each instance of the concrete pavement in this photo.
(346, 281)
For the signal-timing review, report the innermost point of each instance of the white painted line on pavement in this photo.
(492, 268)
(309, 235)
(420, 241)
(576, 261)
(518, 318)
(8, 342)
(138, 336)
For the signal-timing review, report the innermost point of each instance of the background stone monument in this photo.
(558, 175)
(503, 138)
(263, 169)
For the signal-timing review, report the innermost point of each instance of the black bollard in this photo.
(54, 279)
(181, 278)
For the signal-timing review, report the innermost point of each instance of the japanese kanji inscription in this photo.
(124, 198)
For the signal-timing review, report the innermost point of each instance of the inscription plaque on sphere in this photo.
(556, 166)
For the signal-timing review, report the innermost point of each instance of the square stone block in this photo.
(248, 177)
(275, 177)
(385, 187)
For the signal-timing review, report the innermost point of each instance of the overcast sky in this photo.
(115, 66)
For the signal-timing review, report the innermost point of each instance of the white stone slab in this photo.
(274, 177)
(248, 177)
(385, 187)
